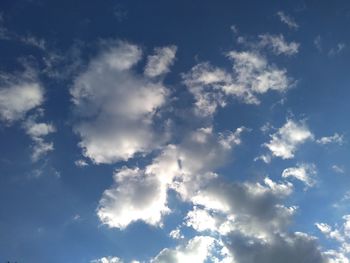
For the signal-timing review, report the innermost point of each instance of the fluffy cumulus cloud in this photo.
(107, 260)
(252, 75)
(249, 223)
(198, 250)
(303, 172)
(251, 208)
(111, 260)
(201, 220)
(257, 75)
(244, 221)
(205, 82)
(176, 234)
(198, 155)
(141, 194)
(136, 196)
(296, 247)
(115, 105)
(288, 138)
(340, 233)
(159, 63)
(18, 95)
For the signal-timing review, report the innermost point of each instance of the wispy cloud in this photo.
(288, 20)
(336, 138)
(278, 44)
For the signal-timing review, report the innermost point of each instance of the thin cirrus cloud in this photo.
(116, 122)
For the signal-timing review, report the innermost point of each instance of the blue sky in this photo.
(174, 131)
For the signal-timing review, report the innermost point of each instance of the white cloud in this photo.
(336, 138)
(338, 169)
(303, 172)
(201, 220)
(341, 234)
(135, 196)
(81, 163)
(256, 75)
(205, 82)
(251, 208)
(197, 250)
(38, 132)
(116, 106)
(141, 194)
(252, 75)
(159, 63)
(335, 257)
(264, 157)
(111, 260)
(34, 129)
(198, 155)
(249, 223)
(279, 45)
(329, 232)
(176, 234)
(107, 260)
(287, 248)
(288, 138)
(41, 148)
(288, 20)
(19, 97)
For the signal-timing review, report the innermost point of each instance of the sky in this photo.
(174, 131)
